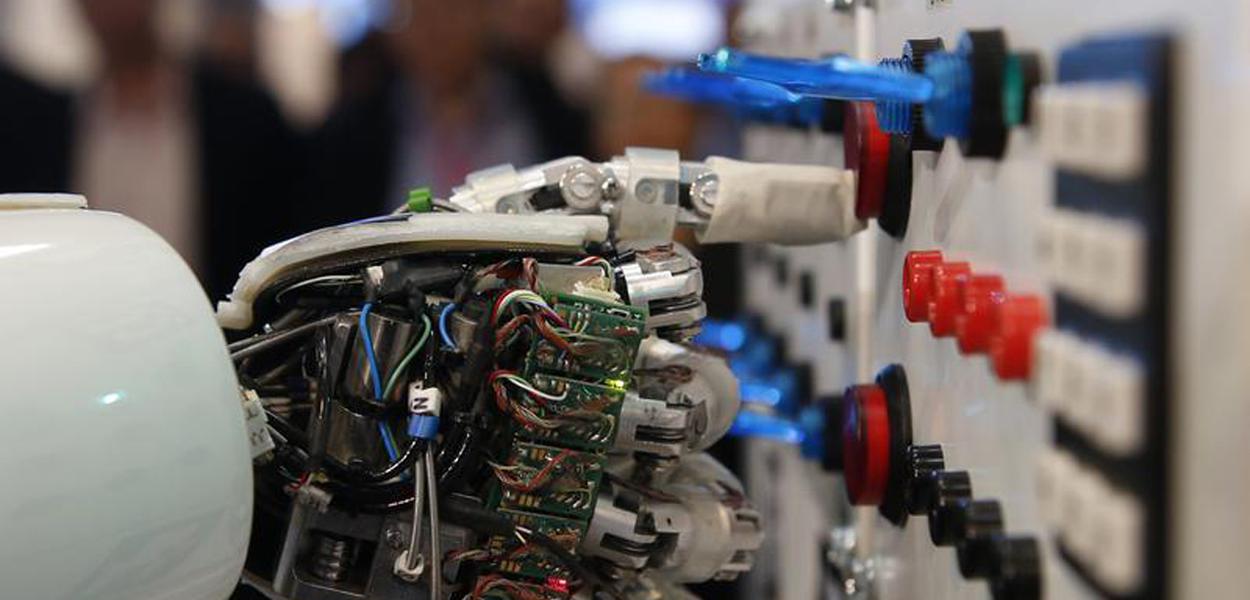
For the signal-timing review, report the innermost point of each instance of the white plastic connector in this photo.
(1096, 128)
(1082, 492)
(258, 436)
(1096, 391)
(1118, 563)
(1099, 525)
(1118, 262)
(1120, 384)
(1054, 472)
(314, 497)
(1096, 259)
(1049, 347)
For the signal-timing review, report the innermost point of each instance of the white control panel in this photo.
(1123, 206)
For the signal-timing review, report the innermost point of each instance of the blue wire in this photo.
(388, 441)
(442, 325)
(375, 374)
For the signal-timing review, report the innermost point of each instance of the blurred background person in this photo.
(630, 41)
(204, 159)
(231, 41)
(417, 93)
(448, 111)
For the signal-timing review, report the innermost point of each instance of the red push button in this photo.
(867, 152)
(944, 296)
(1011, 351)
(976, 324)
(917, 280)
(865, 444)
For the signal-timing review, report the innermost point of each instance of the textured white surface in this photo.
(126, 466)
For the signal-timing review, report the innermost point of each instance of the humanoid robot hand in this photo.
(460, 401)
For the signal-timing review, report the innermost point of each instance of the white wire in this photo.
(436, 556)
(527, 386)
(314, 281)
(418, 508)
(527, 296)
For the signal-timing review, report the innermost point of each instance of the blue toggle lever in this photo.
(760, 425)
(807, 432)
(726, 336)
(833, 77)
(696, 86)
(751, 99)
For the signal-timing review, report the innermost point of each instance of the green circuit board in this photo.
(529, 560)
(549, 476)
(605, 338)
(587, 414)
(556, 481)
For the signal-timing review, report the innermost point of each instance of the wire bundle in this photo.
(534, 479)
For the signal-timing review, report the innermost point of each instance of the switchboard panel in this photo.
(1063, 294)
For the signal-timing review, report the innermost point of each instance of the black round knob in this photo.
(896, 202)
(831, 437)
(980, 521)
(1017, 569)
(922, 461)
(987, 56)
(949, 489)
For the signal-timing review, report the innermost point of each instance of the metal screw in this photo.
(704, 193)
(645, 192)
(581, 187)
(394, 537)
(856, 576)
(611, 188)
(512, 205)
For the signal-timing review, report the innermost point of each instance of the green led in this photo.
(420, 200)
(1015, 87)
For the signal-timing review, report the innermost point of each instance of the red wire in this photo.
(494, 311)
(543, 474)
(503, 332)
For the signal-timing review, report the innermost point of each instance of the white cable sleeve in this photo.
(781, 203)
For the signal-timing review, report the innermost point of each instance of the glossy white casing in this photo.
(124, 459)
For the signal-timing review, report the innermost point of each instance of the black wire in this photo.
(464, 458)
(335, 468)
(380, 499)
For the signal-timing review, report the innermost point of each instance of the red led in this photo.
(867, 152)
(917, 275)
(865, 444)
(1011, 351)
(558, 585)
(976, 324)
(945, 295)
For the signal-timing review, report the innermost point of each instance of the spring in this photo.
(332, 558)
